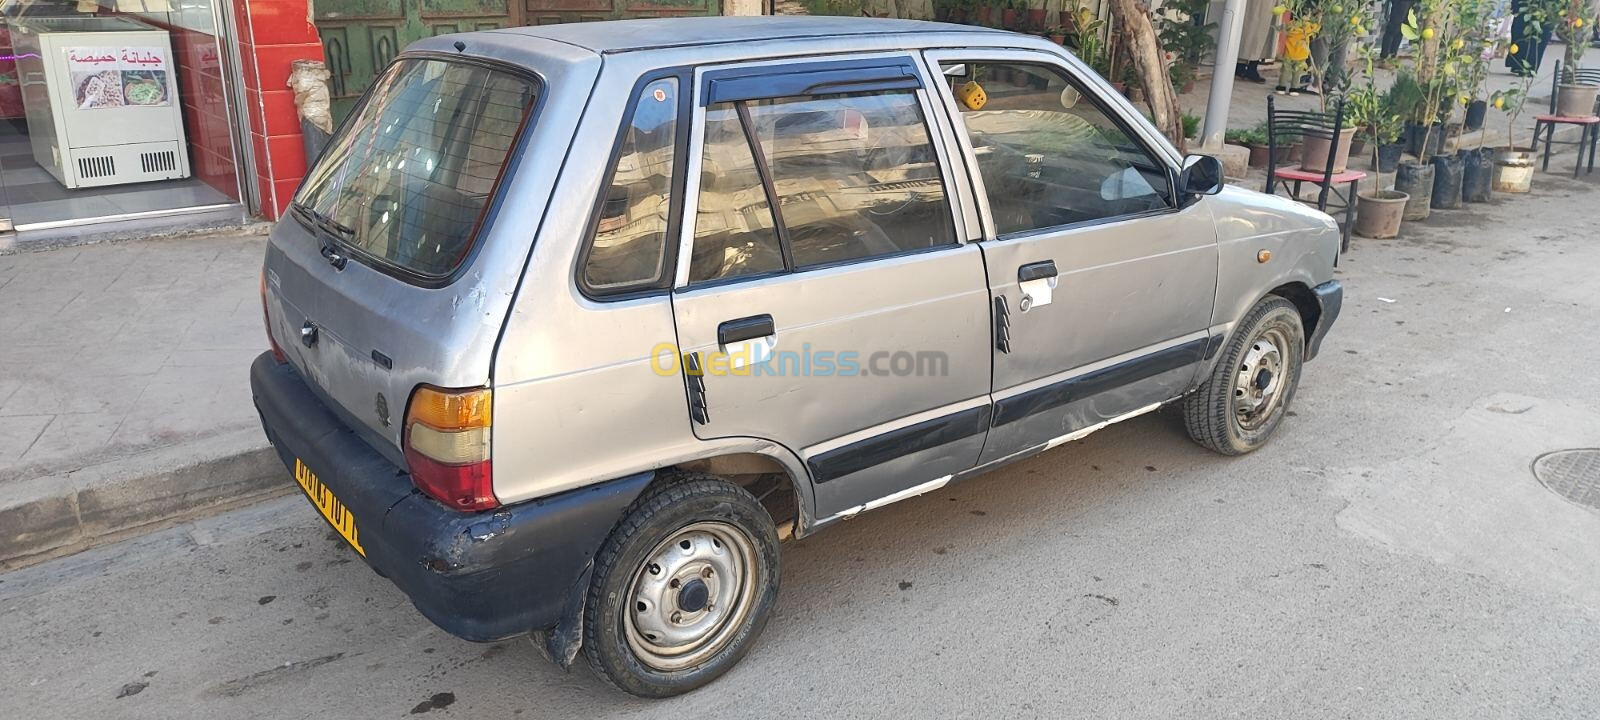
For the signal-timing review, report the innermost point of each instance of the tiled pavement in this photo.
(111, 350)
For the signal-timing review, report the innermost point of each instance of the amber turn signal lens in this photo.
(1263, 256)
(450, 409)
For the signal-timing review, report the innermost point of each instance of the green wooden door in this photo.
(360, 37)
(545, 12)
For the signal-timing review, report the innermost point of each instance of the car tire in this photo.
(682, 587)
(1248, 394)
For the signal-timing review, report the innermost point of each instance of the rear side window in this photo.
(854, 176)
(407, 180)
(628, 249)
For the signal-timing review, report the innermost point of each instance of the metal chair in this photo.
(1285, 126)
(1589, 125)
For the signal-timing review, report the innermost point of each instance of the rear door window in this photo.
(406, 181)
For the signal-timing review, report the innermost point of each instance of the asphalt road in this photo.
(1389, 555)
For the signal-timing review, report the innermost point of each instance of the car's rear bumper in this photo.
(480, 576)
(1330, 296)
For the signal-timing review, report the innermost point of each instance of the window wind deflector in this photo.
(816, 78)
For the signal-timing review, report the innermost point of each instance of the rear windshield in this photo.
(407, 179)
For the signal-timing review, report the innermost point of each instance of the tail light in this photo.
(277, 352)
(447, 446)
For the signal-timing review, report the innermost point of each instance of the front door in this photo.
(1102, 278)
(826, 300)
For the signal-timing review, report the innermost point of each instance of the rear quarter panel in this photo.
(577, 399)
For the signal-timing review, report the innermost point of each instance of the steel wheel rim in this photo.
(1259, 382)
(690, 595)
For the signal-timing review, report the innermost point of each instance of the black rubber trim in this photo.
(1330, 295)
(1055, 395)
(1213, 345)
(745, 328)
(879, 449)
(1042, 270)
(480, 576)
(814, 78)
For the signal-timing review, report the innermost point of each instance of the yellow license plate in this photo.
(331, 508)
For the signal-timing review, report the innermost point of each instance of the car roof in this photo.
(656, 33)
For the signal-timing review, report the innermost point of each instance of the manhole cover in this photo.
(1574, 474)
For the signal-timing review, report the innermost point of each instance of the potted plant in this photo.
(1036, 17)
(1191, 125)
(984, 13)
(1513, 164)
(1255, 139)
(1057, 34)
(1008, 14)
(1185, 42)
(1375, 115)
(1575, 27)
(1415, 177)
(1453, 83)
(1088, 41)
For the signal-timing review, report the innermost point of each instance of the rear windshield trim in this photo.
(496, 196)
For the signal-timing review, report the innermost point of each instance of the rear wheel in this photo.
(682, 588)
(1248, 394)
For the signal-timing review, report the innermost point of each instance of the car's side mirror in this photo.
(1201, 175)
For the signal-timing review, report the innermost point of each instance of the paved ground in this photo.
(119, 348)
(1388, 556)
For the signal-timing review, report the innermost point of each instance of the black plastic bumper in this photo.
(480, 576)
(1330, 295)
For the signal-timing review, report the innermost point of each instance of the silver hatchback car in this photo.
(571, 325)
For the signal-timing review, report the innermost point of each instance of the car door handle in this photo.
(745, 328)
(1042, 270)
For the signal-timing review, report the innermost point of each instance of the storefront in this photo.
(130, 115)
(361, 36)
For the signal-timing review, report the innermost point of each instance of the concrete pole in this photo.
(1230, 27)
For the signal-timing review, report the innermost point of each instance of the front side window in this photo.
(408, 178)
(1048, 154)
(628, 250)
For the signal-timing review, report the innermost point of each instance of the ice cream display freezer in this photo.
(101, 99)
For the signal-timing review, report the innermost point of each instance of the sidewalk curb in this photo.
(60, 514)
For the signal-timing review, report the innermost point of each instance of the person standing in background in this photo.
(1398, 11)
(1255, 40)
(1530, 47)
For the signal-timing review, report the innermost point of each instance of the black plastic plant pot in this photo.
(1416, 135)
(1446, 182)
(1475, 113)
(1477, 175)
(1416, 180)
(1389, 156)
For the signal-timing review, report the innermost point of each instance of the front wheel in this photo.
(1247, 396)
(682, 588)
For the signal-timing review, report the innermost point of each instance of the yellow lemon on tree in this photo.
(1427, 33)
(1577, 22)
(1457, 44)
(1356, 22)
(1514, 48)
(1499, 103)
(1279, 10)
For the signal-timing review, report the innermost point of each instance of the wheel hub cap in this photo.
(690, 595)
(1257, 388)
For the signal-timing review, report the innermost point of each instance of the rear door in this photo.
(826, 299)
(1102, 277)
